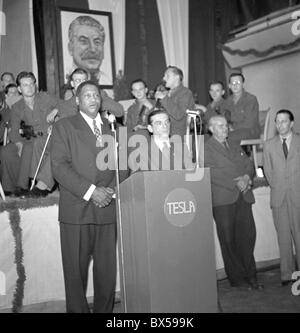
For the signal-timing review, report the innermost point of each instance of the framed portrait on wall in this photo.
(86, 41)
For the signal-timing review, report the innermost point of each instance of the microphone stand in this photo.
(193, 115)
(119, 213)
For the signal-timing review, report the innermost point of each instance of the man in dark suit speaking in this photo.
(86, 207)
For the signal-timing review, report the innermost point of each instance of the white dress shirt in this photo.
(99, 123)
(161, 143)
(288, 140)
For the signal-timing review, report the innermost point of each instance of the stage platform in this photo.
(30, 257)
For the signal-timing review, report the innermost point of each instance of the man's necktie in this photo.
(142, 117)
(225, 143)
(97, 133)
(166, 148)
(285, 148)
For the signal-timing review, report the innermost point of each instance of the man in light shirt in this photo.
(282, 170)
(86, 208)
(163, 152)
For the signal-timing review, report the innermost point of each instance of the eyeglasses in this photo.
(162, 123)
(235, 83)
(79, 80)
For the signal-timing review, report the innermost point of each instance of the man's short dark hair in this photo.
(154, 113)
(85, 83)
(176, 71)
(288, 112)
(11, 85)
(237, 74)
(7, 73)
(79, 70)
(85, 20)
(23, 75)
(138, 81)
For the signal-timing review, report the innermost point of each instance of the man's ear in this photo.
(77, 101)
(150, 129)
(70, 48)
(19, 90)
(72, 84)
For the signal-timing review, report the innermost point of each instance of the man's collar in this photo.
(287, 137)
(171, 92)
(90, 120)
(161, 142)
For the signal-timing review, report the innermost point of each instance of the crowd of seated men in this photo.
(26, 115)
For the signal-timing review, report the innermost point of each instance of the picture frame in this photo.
(85, 50)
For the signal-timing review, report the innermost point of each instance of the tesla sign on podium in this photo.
(166, 243)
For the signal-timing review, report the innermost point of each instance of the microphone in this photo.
(193, 112)
(112, 119)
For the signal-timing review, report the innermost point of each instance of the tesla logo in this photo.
(180, 207)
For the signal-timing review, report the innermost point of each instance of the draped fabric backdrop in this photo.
(16, 51)
(38, 28)
(144, 52)
(2, 22)
(174, 23)
(209, 22)
(117, 8)
(33, 42)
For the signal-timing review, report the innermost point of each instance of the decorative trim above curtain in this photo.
(174, 22)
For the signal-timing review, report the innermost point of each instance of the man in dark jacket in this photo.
(86, 207)
(232, 197)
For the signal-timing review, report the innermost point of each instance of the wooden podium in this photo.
(166, 243)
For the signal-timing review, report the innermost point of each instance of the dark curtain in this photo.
(144, 53)
(209, 24)
(40, 43)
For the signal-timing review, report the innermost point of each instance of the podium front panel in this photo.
(168, 244)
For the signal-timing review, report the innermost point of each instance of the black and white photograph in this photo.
(150, 159)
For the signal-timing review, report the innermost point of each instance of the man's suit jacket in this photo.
(282, 174)
(153, 159)
(224, 168)
(73, 156)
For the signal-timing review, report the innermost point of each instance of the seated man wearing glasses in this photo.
(159, 151)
